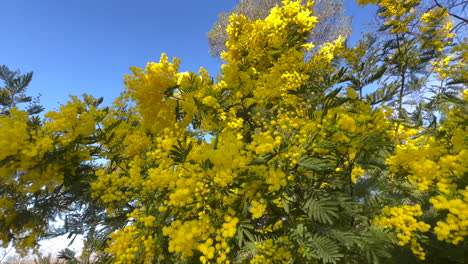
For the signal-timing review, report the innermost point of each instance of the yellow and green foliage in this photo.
(279, 159)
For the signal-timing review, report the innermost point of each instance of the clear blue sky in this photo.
(85, 46)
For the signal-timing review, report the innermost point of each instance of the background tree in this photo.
(332, 22)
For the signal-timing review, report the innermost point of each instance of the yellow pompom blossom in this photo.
(365, 2)
(398, 14)
(261, 45)
(453, 66)
(183, 237)
(258, 208)
(148, 89)
(75, 119)
(275, 179)
(36, 161)
(455, 227)
(357, 173)
(403, 220)
(436, 26)
(29, 147)
(123, 245)
(327, 51)
(272, 251)
(441, 164)
(13, 127)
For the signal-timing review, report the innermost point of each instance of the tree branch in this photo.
(456, 16)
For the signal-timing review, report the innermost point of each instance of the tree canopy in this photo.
(330, 14)
(295, 153)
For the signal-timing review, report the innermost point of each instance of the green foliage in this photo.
(13, 91)
(324, 210)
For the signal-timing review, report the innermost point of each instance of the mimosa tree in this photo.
(282, 158)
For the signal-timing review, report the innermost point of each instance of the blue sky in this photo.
(85, 46)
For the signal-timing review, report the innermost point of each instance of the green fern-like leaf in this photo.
(348, 239)
(322, 210)
(243, 234)
(66, 254)
(325, 248)
(375, 245)
(180, 152)
(316, 164)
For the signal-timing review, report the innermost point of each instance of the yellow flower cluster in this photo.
(275, 179)
(123, 245)
(453, 65)
(35, 159)
(108, 190)
(189, 191)
(184, 236)
(440, 163)
(455, 227)
(272, 227)
(148, 88)
(436, 26)
(131, 244)
(398, 14)
(29, 148)
(271, 251)
(77, 118)
(365, 2)
(14, 129)
(403, 220)
(357, 173)
(258, 208)
(327, 51)
(417, 160)
(261, 44)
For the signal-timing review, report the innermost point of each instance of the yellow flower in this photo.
(258, 208)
